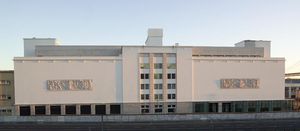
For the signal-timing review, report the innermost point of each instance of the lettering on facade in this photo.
(239, 83)
(65, 85)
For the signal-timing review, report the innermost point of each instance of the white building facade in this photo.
(53, 79)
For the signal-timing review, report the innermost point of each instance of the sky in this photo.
(125, 22)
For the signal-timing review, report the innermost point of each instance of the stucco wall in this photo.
(31, 76)
(207, 73)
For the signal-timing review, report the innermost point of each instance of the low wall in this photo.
(147, 118)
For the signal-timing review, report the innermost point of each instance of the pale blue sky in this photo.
(125, 22)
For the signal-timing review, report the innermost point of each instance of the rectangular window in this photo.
(115, 109)
(144, 76)
(158, 86)
(171, 76)
(158, 108)
(144, 96)
(145, 108)
(40, 110)
(25, 110)
(157, 76)
(171, 96)
(158, 65)
(171, 108)
(70, 109)
(100, 109)
(145, 66)
(171, 66)
(85, 109)
(144, 86)
(171, 86)
(55, 110)
(158, 96)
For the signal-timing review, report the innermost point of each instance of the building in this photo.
(6, 92)
(292, 89)
(53, 79)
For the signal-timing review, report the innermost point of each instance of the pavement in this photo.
(244, 125)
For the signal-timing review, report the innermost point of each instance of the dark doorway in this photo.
(55, 110)
(115, 109)
(24, 110)
(200, 107)
(85, 109)
(213, 107)
(100, 109)
(226, 107)
(264, 109)
(40, 110)
(70, 110)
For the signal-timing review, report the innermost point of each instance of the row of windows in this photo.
(158, 76)
(5, 110)
(157, 66)
(157, 108)
(4, 82)
(158, 96)
(5, 97)
(157, 86)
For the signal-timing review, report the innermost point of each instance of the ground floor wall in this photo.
(155, 108)
(153, 118)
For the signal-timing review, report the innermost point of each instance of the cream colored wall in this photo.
(184, 75)
(130, 75)
(31, 75)
(207, 73)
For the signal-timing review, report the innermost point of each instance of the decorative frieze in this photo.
(239, 83)
(65, 85)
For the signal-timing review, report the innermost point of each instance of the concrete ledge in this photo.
(147, 118)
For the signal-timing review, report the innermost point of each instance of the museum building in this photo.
(55, 79)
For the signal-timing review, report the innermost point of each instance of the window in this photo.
(171, 76)
(145, 108)
(158, 96)
(115, 109)
(145, 66)
(157, 76)
(70, 109)
(4, 82)
(171, 86)
(171, 108)
(144, 96)
(158, 108)
(144, 86)
(171, 66)
(25, 110)
(171, 96)
(55, 110)
(158, 65)
(158, 86)
(144, 76)
(40, 110)
(100, 109)
(85, 109)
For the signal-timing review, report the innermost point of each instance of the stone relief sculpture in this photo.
(61, 85)
(239, 83)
